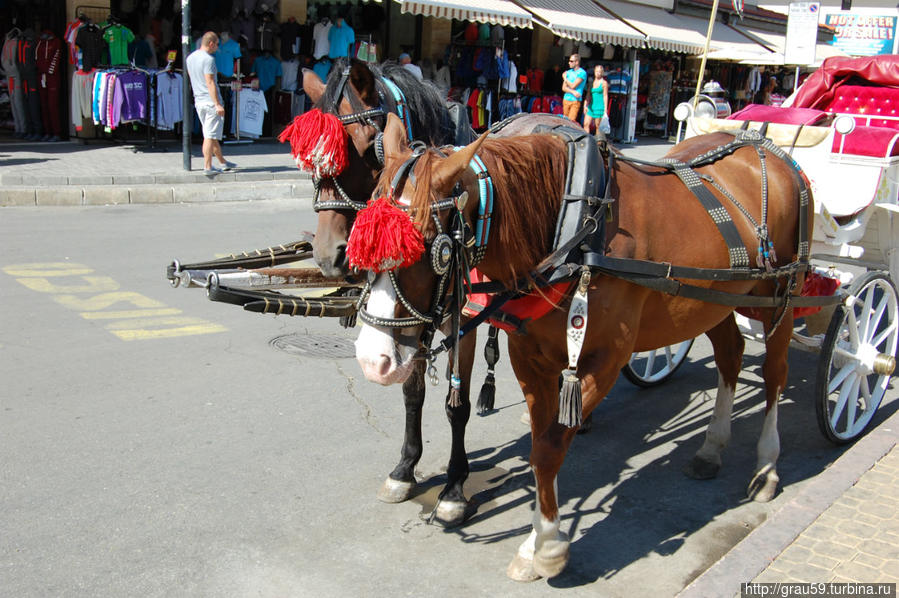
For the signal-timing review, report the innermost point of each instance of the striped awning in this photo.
(663, 30)
(583, 20)
(497, 12)
(777, 42)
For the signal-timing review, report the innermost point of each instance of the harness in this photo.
(366, 117)
(578, 252)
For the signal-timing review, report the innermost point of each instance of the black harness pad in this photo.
(585, 183)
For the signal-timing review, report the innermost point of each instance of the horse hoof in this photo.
(763, 486)
(700, 469)
(451, 513)
(551, 558)
(394, 491)
(521, 569)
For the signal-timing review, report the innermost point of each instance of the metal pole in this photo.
(705, 53)
(186, 104)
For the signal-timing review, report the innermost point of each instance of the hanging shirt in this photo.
(225, 56)
(265, 35)
(321, 44)
(70, 34)
(90, 41)
(267, 68)
(132, 99)
(322, 68)
(118, 37)
(252, 110)
(169, 108)
(290, 74)
(339, 40)
(290, 39)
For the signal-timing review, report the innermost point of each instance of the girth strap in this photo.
(736, 249)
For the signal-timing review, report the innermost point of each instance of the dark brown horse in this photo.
(654, 218)
(353, 89)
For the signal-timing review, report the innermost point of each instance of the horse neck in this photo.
(528, 176)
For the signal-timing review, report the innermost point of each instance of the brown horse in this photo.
(654, 218)
(356, 88)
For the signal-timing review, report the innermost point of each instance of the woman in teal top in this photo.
(597, 102)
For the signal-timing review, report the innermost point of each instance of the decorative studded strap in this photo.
(736, 249)
(402, 108)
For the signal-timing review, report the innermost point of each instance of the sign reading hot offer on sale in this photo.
(863, 34)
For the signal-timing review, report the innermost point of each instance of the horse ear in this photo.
(363, 80)
(448, 171)
(313, 85)
(394, 137)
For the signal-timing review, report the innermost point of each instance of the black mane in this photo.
(427, 109)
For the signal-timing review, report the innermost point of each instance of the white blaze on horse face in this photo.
(381, 358)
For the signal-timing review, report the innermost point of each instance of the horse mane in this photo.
(424, 100)
(528, 174)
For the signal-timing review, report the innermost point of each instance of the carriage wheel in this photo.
(857, 358)
(650, 368)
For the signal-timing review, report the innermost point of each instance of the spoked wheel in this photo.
(650, 368)
(857, 358)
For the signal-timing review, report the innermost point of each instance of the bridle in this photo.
(364, 116)
(453, 252)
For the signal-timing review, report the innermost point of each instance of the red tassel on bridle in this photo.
(383, 238)
(318, 142)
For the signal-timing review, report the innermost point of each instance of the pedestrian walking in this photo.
(574, 80)
(596, 105)
(208, 102)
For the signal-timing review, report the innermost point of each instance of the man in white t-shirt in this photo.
(208, 102)
(406, 62)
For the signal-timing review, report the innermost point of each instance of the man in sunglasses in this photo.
(574, 81)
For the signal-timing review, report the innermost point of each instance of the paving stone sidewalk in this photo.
(843, 527)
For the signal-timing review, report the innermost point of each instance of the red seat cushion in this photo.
(879, 142)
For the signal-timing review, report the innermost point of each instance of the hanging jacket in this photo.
(48, 55)
(8, 57)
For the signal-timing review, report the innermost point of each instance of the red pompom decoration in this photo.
(384, 238)
(318, 142)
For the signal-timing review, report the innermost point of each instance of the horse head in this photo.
(350, 91)
(360, 96)
(410, 240)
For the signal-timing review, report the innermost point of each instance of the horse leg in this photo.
(764, 482)
(400, 484)
(452, 506)
(728, 344)
(546, 550)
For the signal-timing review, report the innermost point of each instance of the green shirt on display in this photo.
(118, 37)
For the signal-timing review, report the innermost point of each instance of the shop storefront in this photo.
(497, 57)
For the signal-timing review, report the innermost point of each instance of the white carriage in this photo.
(843, 131)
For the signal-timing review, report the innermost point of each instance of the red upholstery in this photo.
(776, 114)
(876, 137)
(869, 102)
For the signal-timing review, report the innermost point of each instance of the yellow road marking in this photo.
(152, 319)
(129, 313)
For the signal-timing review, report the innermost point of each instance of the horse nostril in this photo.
(340, 259)
(383, 365)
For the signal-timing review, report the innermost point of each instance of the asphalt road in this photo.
(153, 443)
